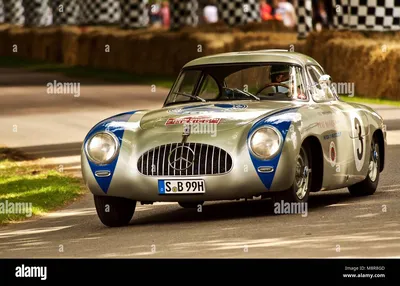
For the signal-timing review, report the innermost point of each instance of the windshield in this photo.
(239, 82)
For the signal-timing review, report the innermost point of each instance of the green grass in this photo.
(40, 190)
(359, 99)
(112, 76)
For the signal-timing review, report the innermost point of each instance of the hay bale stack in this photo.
(101, 49)
(272, 26)
(70, 45)
(4, 38)
(18, 42)
(365, 59)
(119, 55)
(46, 44)
(85, 48)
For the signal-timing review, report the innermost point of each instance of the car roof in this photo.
(276, 56)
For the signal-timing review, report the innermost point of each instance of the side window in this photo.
(297, 84)
(209, 89)
(318, 92)
(314, 75)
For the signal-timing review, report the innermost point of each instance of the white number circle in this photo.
(359, 140)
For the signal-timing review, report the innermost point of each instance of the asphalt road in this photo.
(336, 225)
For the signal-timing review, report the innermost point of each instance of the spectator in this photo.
(210, 12)
(155, 16)
(321, 17)
(276, 16)
(287, 13)
(266, 11)
(165, 14)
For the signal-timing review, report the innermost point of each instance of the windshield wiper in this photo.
(244, 92)
(190, 95)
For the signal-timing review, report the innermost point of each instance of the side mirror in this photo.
(325, 80)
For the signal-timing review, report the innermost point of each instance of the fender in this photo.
(281, 121)
(115, 125)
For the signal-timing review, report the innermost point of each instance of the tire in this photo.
(300, 189)
(114, 211)
(190, 205)
(370, 183)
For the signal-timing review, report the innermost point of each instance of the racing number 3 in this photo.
(358, 127)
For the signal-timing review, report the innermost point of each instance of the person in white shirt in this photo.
(210, 13)
(287, 12)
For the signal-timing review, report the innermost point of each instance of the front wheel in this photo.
(370, 184)
(114, 211)
(300, 189)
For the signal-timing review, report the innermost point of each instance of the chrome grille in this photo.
(184, 159)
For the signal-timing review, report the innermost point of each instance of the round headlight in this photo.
(102, 148)
(265, 142)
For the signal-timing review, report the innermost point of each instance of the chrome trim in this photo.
(266, 169)
(280, 142)
(194, 158)
(102, 174)
(195, 155)
(117, 148)
(163, 161)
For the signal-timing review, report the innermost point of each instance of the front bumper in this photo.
(242, 181)
(127, 182)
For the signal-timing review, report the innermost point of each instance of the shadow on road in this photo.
(51, 151)
(237, 209)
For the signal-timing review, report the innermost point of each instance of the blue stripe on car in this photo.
(280, 121)
(112, 124)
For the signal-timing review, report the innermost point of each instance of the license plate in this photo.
(178, 187)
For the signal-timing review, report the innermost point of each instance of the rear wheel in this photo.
(370, 184)
(190, 205)
(300, 189)
(114, 211)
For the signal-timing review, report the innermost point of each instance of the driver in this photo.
(281, 74)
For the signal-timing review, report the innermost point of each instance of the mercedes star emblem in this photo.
(178, 161)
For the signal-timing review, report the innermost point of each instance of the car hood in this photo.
(226, 115)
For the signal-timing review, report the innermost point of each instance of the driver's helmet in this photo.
(278, 70)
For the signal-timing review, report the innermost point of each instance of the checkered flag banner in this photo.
(372, 15)
(251, 11)
(37, 13)
(99, 12)
(304, 16)
(134, 13)
(65, 12)
(237, 12)
(184, 13)
(14, 12)
(1, 12)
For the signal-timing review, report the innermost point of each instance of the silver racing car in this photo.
(235, 125)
